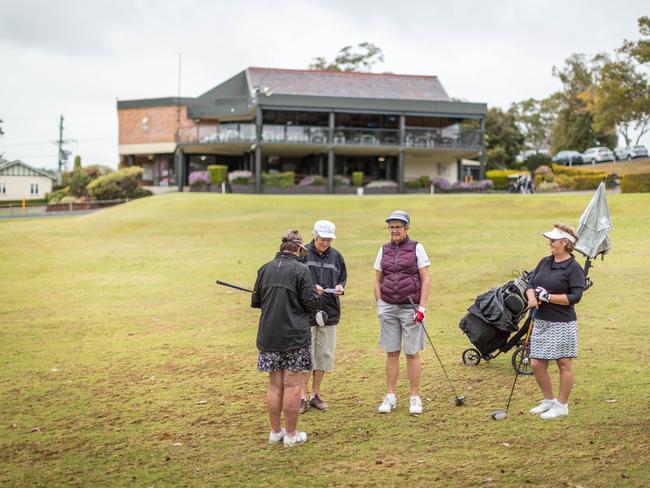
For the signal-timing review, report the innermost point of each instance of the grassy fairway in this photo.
(123, 364)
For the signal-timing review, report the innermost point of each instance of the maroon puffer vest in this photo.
(401, 278)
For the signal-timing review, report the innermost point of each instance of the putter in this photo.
(459, 400)
(503, 414)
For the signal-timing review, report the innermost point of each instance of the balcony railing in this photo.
(451, 137)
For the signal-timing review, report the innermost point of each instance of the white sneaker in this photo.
(544, 406)
(275, 437)
(558, 410)
(296, 440)
(389, 404)
(415, 408)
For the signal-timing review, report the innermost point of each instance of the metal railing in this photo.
(442, 138)
(415, 137)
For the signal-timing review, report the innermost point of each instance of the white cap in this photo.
(559, 234)
(325, 229)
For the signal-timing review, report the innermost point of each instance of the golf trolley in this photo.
(492, 319)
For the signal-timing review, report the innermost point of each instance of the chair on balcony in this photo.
(339, 138)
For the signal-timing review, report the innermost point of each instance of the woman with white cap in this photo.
(556, 285)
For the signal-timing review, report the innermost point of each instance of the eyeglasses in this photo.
(395, 227)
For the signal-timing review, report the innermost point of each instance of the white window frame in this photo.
(3, 188)
(33, 189)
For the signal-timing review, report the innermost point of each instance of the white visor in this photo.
(559, 234)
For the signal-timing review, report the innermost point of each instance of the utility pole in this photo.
(63, 154)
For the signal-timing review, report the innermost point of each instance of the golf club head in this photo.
(499, 415)
(321, 318)
(460, 401)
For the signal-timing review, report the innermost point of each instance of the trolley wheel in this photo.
(521, 360)
(471, 357)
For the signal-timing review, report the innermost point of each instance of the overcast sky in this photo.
(76, 58)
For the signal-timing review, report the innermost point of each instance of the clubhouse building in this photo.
(327, 123)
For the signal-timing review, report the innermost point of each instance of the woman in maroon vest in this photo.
(401, 272)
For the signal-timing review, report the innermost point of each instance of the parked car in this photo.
(595, 155)
(631, 152)
(568, 158)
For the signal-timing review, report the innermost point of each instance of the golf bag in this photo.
(495, 315)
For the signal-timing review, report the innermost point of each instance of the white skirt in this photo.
(554, 340)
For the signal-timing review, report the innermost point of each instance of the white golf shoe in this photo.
(389, 404)
(415, 407)
(557, 411)
(275, 437)
(295, 440)
(544, 406)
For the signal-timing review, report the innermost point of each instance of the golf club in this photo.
(230, 285)
(460, 400)
(321, 316)
(503, 414)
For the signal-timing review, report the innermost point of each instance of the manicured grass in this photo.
(123, 364)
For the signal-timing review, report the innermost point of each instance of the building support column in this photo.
(258, 149)
(180, 169)
(481, 168)
(330, 170)
(321, 165)
(400, 171)
(400, 156)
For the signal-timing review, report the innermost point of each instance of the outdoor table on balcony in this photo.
(368, 139)
(228, 135)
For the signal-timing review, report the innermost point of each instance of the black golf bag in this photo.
(495, 316)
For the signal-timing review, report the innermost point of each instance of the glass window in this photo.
(33, 189)
(3, 188)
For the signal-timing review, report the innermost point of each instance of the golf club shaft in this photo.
(434, 350)
(230, 285)
(521, 359)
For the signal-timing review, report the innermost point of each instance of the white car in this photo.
(524, 155)
(595, 155)
(631, 152)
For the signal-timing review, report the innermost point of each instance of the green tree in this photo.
(363, 58)
(640, 50)
(535, 119)
(573, 127)
(621, 100)
(77, 163)
(495, 158)
(501, 131)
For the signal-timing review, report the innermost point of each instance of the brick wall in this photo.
(160, 127)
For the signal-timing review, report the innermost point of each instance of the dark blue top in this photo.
(565, 277)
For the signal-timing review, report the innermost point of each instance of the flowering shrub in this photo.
(482, 185)
(241, 177)
(312, 181)
(381, 184)
(441, 183)
(341, 181)
(198, 178)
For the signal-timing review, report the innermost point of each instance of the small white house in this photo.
(19, 180)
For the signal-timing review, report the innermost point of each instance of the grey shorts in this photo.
(323, 347)
(398, 329)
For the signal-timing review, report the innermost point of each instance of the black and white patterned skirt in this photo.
(554, 340)
(296, 360)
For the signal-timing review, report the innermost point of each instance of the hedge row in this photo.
(639, 183)
(500, 177)
(282, 180)
(589, 181)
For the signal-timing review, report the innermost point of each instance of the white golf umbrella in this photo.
(594, 225)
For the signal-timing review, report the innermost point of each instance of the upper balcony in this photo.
(414, 137)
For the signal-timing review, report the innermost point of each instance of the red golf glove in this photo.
(419, 314)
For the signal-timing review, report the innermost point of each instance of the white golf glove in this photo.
(321, 318)
(542, 294)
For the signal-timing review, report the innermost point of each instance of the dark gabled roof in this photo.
(348, 84)
(293, 89)
(8, 164)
